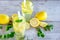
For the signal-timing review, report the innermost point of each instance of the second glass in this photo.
(27, 9)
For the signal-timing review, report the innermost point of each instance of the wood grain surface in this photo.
(51, 7)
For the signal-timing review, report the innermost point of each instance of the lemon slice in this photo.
(27, 26)
(14, 17)
(4, 19)
(43, 24)
(34, 22)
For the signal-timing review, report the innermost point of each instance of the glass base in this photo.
(20, 36)
(28, 17)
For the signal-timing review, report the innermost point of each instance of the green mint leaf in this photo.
(51, 26)
(19, 20)
(45, 28)
(38, 34)
(8, 27)
(0, 26)
(0, 36)
(42, 35)
(4, 36)
(48, 27)
(39, 30)
(12, 34)
(8, 35)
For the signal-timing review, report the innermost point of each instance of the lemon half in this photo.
(41, 15)
(34, 22)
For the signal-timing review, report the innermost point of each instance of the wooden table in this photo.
(51, 7)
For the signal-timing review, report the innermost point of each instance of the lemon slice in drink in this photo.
(28, 8)
(27, 26)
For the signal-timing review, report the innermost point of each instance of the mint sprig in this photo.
(48, 27)
(0, 26)
(8, 27)
(40, 33)
(10, 35)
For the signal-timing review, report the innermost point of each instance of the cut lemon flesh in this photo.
(43, 24)
(34, 22)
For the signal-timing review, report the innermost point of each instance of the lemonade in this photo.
(19, 26)
(27, 9)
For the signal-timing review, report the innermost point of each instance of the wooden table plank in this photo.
(51, 7)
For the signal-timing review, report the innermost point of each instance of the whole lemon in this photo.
(41, 15)
(4, 19)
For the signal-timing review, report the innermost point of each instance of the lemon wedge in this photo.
(43, 24)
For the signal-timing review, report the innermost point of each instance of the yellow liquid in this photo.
(19, 28)
(27, 9)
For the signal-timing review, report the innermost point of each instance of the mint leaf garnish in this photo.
(19, 20)
(0, 26)
(0, 36)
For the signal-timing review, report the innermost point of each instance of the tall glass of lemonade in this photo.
(27, 9)
(19, 26)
